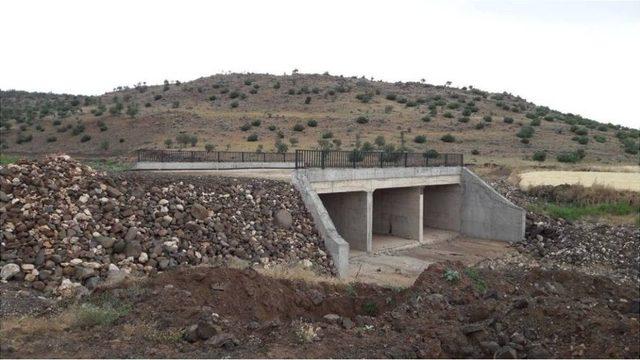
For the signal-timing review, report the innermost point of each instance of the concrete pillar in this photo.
(443, 206)
(398, 211)
(351, 215)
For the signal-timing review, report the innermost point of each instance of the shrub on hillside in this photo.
(448, 115)
(540, 155)
(525, 132)
(464, 119)
(312, 123)
(508, 120)
(245, 127)
(420, 139)
(85, 138)
(362, 120)
(535, 122)
(599, 138)
(431, 154)
(234, 104)
(252, 137)
(487, 118)
(298, 127)
(272, 127)
(426, 118)
(479, 126)
(256, 122)
(448, 138)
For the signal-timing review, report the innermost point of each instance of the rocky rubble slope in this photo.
(580, 243)
(64, 223)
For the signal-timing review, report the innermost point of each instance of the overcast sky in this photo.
(580, 57)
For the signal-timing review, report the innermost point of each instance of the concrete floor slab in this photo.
(401, 267)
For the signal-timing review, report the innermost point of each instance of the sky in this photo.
(573, 56)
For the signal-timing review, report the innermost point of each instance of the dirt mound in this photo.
(450, 311)
(62, 220)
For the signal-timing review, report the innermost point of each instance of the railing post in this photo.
(322, 159)
(446, 159)
(381, 160)
(355, 154)
(405, 159)
(242, 156)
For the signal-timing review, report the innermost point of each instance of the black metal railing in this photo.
(372, 159)
(212, 156)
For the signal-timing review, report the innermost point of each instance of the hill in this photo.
(266, 112)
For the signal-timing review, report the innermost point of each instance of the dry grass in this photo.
(616, 180)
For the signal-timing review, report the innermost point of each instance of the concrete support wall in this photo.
(351, 215)
(443, 206)
(336, 246)
(398, 212)
(488, 215)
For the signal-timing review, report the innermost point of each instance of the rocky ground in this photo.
(450, 311)
(65, 226)
(93, 265)
(594, 248)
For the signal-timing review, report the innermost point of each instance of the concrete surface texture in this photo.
(150, 165)
(351, 215)
(336, 246)
(398, 212)
(346, 180)
(271, 174)
(488, 215)
(443, 206)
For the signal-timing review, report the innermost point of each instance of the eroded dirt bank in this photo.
(451, 311)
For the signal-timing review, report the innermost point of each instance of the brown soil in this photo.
(541, 313)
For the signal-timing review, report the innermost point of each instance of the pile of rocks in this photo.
(62, 220)
(580, 243)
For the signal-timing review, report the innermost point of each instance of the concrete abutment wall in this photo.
(443, 206)
(398, 212)
(351, 215)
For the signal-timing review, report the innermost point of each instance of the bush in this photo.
(464, 119)
(540, 155)
(312, 123)
(234, 104)
(479, 126)
(22, 138)
(388, 109)
(487, 118)
(524, 140)
(448, 115)
(85, 138)
(157, 97)
(580, 131)
(365, 97)
(431, 154)
(599, 138)
(209, 147)
(276, 85)
(420, 139)
(362, 120)
(508, 120)
(52, 139)
(535, 122)
(426, 118)
(570, 157)
(256, 123)
(327, 135)
(448, 138)
(298, 127)
(475, 152)
(525, 132)
(78, 129)
(252, 137)
(391, 97)
(307, 100)
(245, 127)
(272, 127)
(583, 140)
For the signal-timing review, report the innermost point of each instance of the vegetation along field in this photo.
(259, 112)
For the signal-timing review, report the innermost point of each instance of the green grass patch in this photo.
(108, 165)
(102, 311)
(8, 159)
(479, 284)
(575, 212)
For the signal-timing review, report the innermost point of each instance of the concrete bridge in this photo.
(361, 209)
(365, 201)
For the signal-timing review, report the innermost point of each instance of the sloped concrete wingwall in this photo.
(488, 215)
(337, 247)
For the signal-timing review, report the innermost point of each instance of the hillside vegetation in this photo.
(259, 112)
